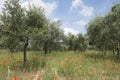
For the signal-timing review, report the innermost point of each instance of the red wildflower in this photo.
(15, 78)
(55, 77)
(41, 78)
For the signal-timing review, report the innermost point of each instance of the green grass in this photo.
(89, 65)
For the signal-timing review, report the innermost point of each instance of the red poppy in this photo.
(15, 78)
(55, 77)
(41, 78)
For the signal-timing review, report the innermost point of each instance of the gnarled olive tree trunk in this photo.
(24, 52)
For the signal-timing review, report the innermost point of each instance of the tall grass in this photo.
(90, 65)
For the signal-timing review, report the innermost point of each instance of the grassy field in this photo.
(89, 65)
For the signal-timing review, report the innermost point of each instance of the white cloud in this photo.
(48, 6)
(81, 23)
(68, 30)
(1, 5)
(66, 27)
(55, 19)
(82, 8)
(76, 4)
(87, 11)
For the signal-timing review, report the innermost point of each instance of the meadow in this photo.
(89, 65)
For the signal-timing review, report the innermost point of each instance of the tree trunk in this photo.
(24, 59)
(113, 46)
(113, 51)
(45, 48)
(50, 47)
(118, 50)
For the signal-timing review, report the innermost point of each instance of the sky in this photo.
(74, 14)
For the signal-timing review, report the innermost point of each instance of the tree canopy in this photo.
(104, 31)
